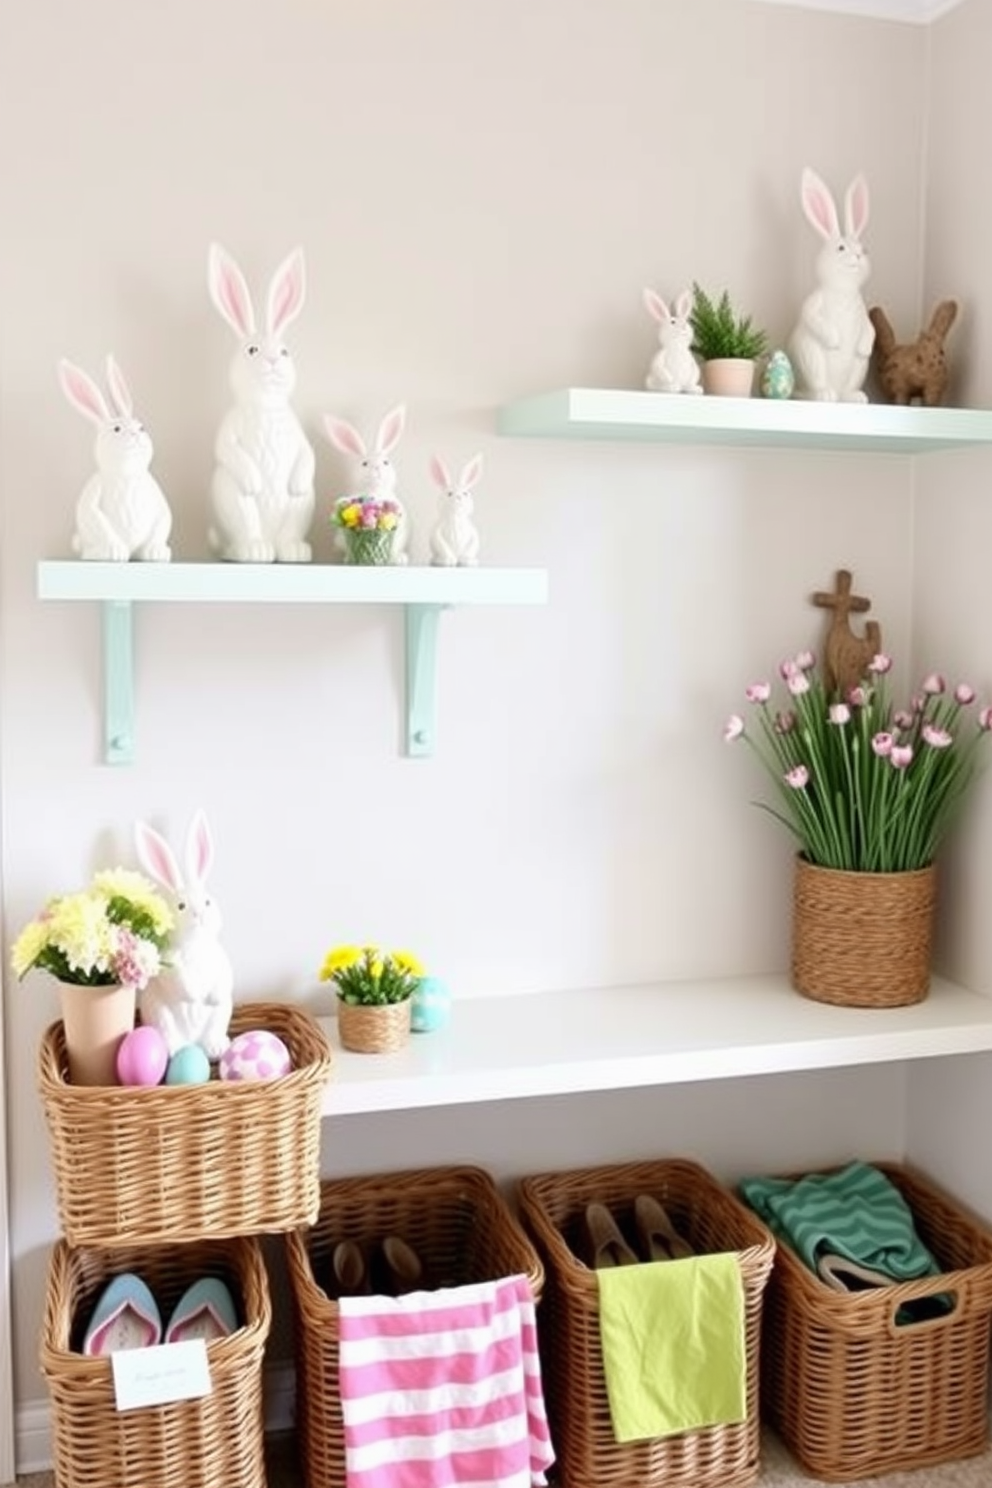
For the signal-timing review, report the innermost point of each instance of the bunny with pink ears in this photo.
(122, 512)
(455, 537)
(376, 472)
(263, 485)
(833, 338)
(673, 369)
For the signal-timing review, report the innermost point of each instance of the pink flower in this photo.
(805, 661)
(933, 684)
(901, 756)
(733, 728)
(758, 692)
(787, 669)
(937, 738)
(882, 745)
(858, 697)
(964, 694)
(903, 719)
(880, 664)
(840, 713)
(797, 777)
(798, 683)
(985, 719)
(917, 702)
(785, 722)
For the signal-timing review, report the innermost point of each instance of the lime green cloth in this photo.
(674, 1349)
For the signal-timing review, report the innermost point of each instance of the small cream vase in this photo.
(95, 1020)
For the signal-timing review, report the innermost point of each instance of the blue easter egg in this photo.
(142, 1056)
(778, 379)
(188, 1066)
(430, 1006)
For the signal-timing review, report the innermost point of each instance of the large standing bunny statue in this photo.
(122, 512)
(191, 1000)
(375, 472)
(832, 341)
(263, 485)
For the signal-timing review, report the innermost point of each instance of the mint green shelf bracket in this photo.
(421, 678)
(118, 682)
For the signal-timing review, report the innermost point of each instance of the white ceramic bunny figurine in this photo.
(376, 472)
(263, 484)
(832, 341)
(455, 537)
(122, 512)
(673, 369)
(191, 1000)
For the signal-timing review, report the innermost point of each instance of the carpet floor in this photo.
(779, 1470)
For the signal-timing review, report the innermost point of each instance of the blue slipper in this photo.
(125, 1317)
(205, 1310)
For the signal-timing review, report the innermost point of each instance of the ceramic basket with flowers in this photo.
(869, 791)
(368, 525)
(374, 988)
(102, 946)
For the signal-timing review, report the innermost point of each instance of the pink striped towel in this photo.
(443, 1388)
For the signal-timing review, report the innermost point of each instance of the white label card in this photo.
(158, 1375)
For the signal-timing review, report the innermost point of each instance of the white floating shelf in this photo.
(617, 1038)
(423, 593)
(674, 418)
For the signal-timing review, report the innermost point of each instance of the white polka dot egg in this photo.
(255, 1055)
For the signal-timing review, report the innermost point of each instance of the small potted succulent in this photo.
(727, 344)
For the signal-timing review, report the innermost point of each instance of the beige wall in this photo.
(482, 189)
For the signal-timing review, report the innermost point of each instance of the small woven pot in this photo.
(369, 545)
(381, 1029)
(862, 939)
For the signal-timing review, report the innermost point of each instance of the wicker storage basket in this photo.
(852, 1393)
(713, 1221)
(188, 1444)
(459, 1225)
(180, 1162)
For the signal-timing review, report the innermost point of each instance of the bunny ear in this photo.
(655, 305)
(683, 305)
(119, 391)
(390, 429)
(856, 207)
(199, 849)
(155, 856)
(818, 204)
(471, 471)
(287, 292)
(229, 292)
(344, 436)
(439, 473)
(83, 393)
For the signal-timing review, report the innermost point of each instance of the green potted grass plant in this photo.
(728, 344)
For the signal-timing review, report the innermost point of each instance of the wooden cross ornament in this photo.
(845, 655)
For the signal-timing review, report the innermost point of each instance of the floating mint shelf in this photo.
(677, 418)
(423, 593)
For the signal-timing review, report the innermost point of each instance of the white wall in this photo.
(482, 190)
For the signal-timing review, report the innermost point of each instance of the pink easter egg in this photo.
(142, 1057)
(255, 1055)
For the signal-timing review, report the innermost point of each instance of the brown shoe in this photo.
(349, 1273)
(605, 1242)
(403, 1270)
(657, 1237)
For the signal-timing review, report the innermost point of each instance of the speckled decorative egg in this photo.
(430, 1006)
(255, 1055)
(142, 1056)
(778, 379)
(188, 1066)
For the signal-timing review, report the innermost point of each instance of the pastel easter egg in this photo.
(188, 1066)
(430, 1006)
(142, 1057)
(255, 1055)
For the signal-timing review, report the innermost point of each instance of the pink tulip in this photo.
(857, 697)
(733, 728)
(797, 777)
(880, 664)
(840, 713)
(985, 719)
(964, 694)
(798, 683)
(934, 684)
(903, 719)
(901, 756)
(937, 738)
(882, 745)
(787, 669)
(758, 692)
(805, 661)
(785, 722)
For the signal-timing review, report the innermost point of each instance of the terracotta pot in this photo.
(381, 1029)
(862, 939)
(728, 377)
(95, 1020)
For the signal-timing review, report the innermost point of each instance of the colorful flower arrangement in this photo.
(365, 514)
(114, 932)
(862, 785)
(367, 976)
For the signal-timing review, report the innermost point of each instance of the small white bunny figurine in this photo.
(455, 537)
(673, 369)
(263, 484)
(832, 340)
(122, 512)
(191, 1000)
(376, 472)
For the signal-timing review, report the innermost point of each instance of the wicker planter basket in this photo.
(459, 1225)
(181, 1162)
(379, 1029)
(862, 939)
(852, 1393)
(713, 1221)
(193, 1443)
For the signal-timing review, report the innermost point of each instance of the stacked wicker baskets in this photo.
(174, 1183)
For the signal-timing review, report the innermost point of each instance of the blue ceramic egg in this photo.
(188, 1066)
(778, 379)
(430, 1006)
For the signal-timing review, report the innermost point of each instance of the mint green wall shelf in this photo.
(423, 593)
(677, 418)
